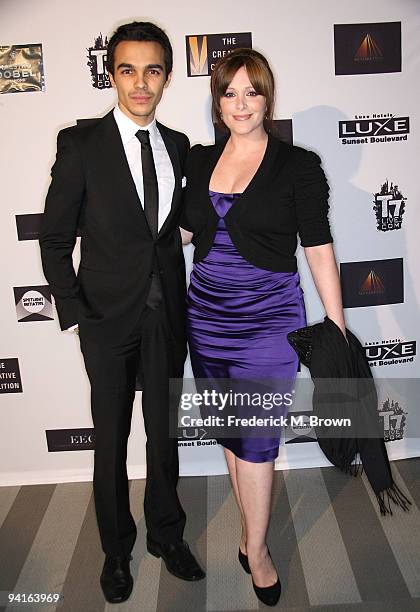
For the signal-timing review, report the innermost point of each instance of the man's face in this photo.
(139, 78)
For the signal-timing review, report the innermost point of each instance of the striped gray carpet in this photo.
(333, 550)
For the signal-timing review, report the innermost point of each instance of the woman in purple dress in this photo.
(246, 201)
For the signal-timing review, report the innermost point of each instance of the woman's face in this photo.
(242, 108)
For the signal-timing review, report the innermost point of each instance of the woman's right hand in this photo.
(185, 235)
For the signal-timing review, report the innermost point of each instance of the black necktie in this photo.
(151, 206)
(150, 184)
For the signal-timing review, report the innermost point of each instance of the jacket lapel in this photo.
(115, 169)
(275, 156)
(176, 165)
(216, 152)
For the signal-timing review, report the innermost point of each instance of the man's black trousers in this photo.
(112, 373)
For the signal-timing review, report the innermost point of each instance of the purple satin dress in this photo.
(238, 319)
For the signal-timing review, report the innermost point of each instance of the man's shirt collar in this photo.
(128, 128)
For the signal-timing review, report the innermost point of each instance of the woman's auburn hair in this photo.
(259, 73)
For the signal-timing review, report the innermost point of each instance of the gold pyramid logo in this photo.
(197, 53)
(372, 285)
(369, 50)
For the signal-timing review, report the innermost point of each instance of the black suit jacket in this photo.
(287, 195)
(92, 189)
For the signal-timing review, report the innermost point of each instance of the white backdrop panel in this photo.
(297, 38)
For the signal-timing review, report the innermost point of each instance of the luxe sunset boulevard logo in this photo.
(390, 352)
(368, 129)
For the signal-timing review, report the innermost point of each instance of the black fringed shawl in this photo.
(344, 387)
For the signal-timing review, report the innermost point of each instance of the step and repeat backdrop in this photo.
(347, 88)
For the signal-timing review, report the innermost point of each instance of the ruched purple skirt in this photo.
(238, 319)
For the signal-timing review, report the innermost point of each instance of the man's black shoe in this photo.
(178, 559)
(116, 580)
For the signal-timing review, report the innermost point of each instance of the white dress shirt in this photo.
(164, 170)
(163, 164)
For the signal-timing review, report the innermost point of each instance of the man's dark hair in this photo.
(141, 31)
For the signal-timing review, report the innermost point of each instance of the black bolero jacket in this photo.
(287, 195)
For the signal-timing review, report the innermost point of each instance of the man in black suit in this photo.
(119, 179)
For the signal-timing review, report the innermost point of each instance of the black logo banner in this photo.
(390, 352)
(372, 283)
(70, 439)
(367, 48)
(203, 50)
(364, 129)
(10, 379)
(29, 226)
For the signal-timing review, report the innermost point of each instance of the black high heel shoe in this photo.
(243, 560)
(268, 595)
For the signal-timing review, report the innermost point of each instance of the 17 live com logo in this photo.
(389, 207)
(97, 57)
(393, 417)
